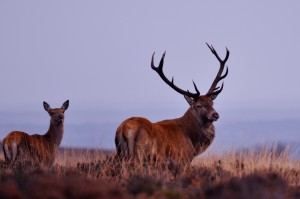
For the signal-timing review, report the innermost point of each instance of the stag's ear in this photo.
(65, 105)
(213, 97)
(190, 100)
(46, 106)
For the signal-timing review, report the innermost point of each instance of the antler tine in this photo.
(213, 90)
(217, 91)
(160, 72)
(161, 63)
(196, 89)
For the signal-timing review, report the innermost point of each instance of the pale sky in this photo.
(97, 53)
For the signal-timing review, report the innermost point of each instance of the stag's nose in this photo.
(215, 116)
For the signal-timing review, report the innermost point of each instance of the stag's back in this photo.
(139, 139)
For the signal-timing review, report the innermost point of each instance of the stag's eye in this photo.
(199, 106)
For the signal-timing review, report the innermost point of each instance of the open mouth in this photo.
(211, 120)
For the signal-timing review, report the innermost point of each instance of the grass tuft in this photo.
(267, 172)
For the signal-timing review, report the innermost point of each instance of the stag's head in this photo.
(201, 106)
(57, 114)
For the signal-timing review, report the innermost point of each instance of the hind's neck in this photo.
(55, 134)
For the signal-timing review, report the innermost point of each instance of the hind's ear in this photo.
(46, 106)
(65, 105)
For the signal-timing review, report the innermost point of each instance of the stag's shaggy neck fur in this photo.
(201, 132)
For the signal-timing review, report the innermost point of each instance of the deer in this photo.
(178, 140)
(36, 150)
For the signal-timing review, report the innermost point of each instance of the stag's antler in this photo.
(214, 91)
(160, 72)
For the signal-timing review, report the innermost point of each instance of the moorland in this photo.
(267, 172)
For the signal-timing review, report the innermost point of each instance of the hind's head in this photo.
(57, 114)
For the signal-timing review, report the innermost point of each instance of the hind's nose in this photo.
(60, 117)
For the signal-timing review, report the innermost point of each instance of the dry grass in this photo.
(265, 173)
(268, 159)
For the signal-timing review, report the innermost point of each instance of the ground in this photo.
(81, 173)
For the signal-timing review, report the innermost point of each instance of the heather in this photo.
(265, 172)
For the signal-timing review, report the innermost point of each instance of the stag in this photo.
(38, 150)
(180, 139)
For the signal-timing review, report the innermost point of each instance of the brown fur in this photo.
(38, 149)
(178, 139)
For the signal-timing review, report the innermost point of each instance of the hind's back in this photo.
(11, 143)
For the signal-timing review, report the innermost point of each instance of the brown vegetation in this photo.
(97, 174)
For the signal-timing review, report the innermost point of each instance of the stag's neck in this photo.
(200, 132)
(55, 134)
